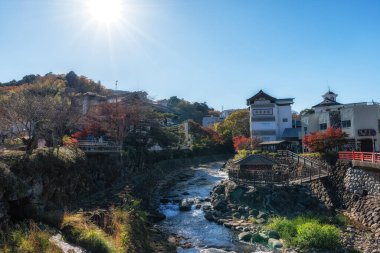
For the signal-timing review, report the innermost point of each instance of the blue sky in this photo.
(215, 51)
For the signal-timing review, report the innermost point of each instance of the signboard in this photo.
(264, 111)
(366, 132)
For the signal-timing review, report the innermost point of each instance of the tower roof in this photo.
(261, 95)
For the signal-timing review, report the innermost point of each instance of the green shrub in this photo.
(312, 234)
(306, 232)
(286, 228)
(341, 220)
(312, 155)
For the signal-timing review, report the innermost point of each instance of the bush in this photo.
(315, 155)
(306, 232)
(312, 234)
(286, 228)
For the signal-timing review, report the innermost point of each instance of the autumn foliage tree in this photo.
(245, 143)
(236, 124)
(332, 138)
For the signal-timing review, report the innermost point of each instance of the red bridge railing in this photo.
(360, 156)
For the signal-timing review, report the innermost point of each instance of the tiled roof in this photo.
(255, 160)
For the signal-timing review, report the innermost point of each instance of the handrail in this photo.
(322, 168)
(299, 158)
(371, 157)
(92, 146)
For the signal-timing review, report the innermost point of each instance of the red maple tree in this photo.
(332, 138)
(243, 142)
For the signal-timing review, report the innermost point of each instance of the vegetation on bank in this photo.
(308, 232)
(27, 238)
(115, 230)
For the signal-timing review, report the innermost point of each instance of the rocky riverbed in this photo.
(246, 210)
(185, 199)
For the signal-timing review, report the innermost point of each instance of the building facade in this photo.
(269, 116)
(361, 121)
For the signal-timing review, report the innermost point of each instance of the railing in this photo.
(360, 156)
(311, 170)
(296, 170)
(99, 147)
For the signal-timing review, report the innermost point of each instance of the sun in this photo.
(105, 11)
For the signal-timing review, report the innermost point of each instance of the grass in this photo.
(306, 232)
(312, 155)
(118, 230)
(78, 229)
(27, 239)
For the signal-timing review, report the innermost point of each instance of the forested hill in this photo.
(70, 81)
(73, 83)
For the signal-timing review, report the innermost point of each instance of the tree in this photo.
(42, 110)
(245, 143)
(323, 141)
(236, 124)
(203, 137)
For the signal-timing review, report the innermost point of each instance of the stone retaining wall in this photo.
(360, 179)
(356, 189)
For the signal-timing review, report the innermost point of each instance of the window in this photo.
(285, 120)
(378, 123)
(323, 126)
(346, 123)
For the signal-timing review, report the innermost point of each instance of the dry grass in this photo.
(27, 239)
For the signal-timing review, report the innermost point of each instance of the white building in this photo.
(269, 116)
(210, 121)
(361, 121)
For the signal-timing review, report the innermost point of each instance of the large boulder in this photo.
(259, 238)
(219, 203)
(245, 236)
(185, 205)
(274, 243)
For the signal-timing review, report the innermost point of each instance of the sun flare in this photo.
(105, 11)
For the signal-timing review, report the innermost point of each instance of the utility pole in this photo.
(117, 116)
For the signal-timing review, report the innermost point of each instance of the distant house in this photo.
(225, 113)
(361, 121)
(89, 99)
(269, 116)
(210, 121)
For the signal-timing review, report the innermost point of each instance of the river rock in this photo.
(258, 238)
(156, 217)
(274, 243)
(261, 215)
(245, 236)
(206, 207)
(185, 205)
(209, 217)
(219, 204)
(164, 200)
(219, 189)
(260, 221)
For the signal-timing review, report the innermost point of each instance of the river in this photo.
(203, 235)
